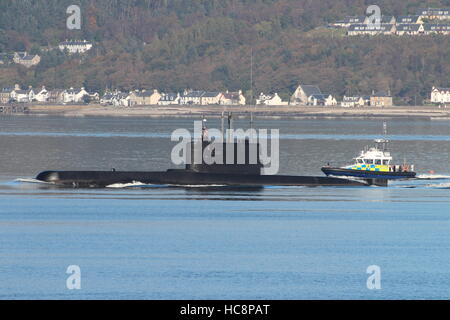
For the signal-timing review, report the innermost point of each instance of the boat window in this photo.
(386, 162)
(378, 161)
(360, 161)
(369, 161)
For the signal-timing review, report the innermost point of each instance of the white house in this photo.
(351, 102)
(440, 95)
(434, 13)
(271, 100)
(74, 95)
(42, 95)
(371, 30)
(437, 29)
(233, 99)
(412, 29)
(303, 94)
(168, 99)
(322, 100)
(19, 95)
(75, 46)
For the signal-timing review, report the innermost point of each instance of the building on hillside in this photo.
(145, 98)
(303, 93)
(357, 101)
(77, 95)
(5, 95)
(190, 97)
(440, 95)
(326, 100)
(233, 99)
(42, 95)
(409, 20)
(371, 30)
(22, 96)
(122, 99)
(168, 99)
(381, 99)
(26, 60)
(411, 29)
(211, 98)
(436, 29)
(56, 96)
(434, 13)
(348, 21)
(75, 46)
(270, 100)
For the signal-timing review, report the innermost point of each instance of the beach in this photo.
(422, 112)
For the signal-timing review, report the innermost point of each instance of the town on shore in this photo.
(304, 95)
(429, 21)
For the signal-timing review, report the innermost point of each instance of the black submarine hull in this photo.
(102, 179)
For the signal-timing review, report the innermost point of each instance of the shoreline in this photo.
(269, 112)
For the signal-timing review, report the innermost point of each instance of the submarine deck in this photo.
(103, 179)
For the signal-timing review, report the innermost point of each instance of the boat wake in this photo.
(34, 181)
(432, 177)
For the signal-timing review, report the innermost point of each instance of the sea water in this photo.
(135, 241)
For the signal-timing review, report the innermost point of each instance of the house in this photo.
(56, 96)
(145, 98)
(371, 30)
(26, 60)
(75, 95)
(5, 95)
(434, 13)
(23, 96)
(303, 93)
(75, 46)
(436, 29)
(42, 95)
(190, 97)
(357, 101)
(440, 95)
(381, 99)
(409, 19)
(211, 98)
(122, 100)
(168, 99)
(410, 29)
(348, 21)
(271, 100)
(107, 98)
(233, 99)
(322, 100)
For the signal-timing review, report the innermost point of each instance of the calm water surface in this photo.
(196, 243)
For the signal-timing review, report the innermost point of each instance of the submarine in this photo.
(243, 172)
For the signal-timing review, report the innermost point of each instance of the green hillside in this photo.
(178, 44)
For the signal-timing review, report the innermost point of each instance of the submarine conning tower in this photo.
(241, 157)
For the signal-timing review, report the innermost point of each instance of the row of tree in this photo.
(178, 44)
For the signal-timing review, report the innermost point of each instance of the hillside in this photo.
(176, 44)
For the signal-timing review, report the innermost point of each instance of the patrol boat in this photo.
(374, 163)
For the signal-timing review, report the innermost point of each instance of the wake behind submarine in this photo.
(239, 174)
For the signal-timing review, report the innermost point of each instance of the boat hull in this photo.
(365, 174)
(101, 179)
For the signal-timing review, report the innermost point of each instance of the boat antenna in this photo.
(223, 122)
(385, 133)
(230, 125)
